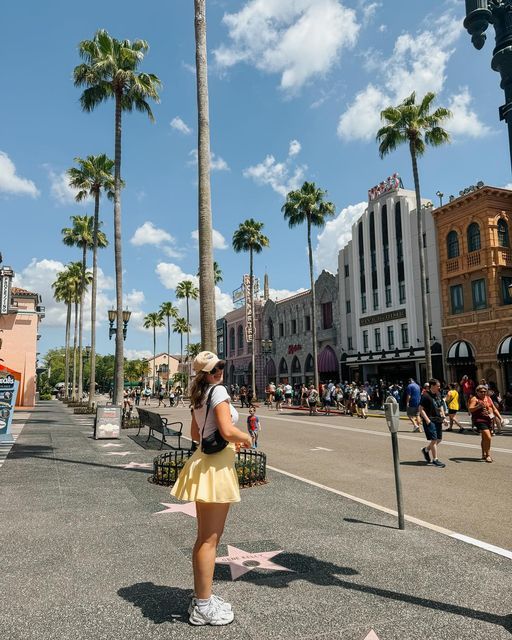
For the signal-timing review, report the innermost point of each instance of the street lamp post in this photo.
(112, 331)
(479, 15)
(266, 349)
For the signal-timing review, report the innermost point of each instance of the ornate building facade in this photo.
(475, 260)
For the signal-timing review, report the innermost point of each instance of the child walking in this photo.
(253, 426)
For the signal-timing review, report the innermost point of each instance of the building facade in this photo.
(380, 310)
(237, 350)
(475, 258)
(161, 370)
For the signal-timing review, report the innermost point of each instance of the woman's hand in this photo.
(246, 443)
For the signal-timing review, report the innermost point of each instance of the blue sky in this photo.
(296, 89)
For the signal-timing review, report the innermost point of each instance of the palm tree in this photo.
(65, 290)
(181, 326)
(413, 124)
(248, 237)
(93, 176)
(217, 273)
(153, 321)
(81, 235)
(193, 349)
(169, 310)
(110, 70)
(187, 289)
(307, 205)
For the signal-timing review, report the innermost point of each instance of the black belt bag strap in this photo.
(214, 442)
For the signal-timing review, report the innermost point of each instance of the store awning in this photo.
(327, 361)
(460, 353)
(504, 353)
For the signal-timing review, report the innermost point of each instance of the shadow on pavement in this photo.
(374, 524)
(29, 454)
(158, 603)
(413, 463)
(29, 451)
(479, 459)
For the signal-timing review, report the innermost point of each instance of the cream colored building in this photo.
(161, 369)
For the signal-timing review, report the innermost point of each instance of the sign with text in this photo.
(108, 422)
(392, 183)
(383, 317)
(293, 348)
(8, 392)
(248, 310)
(6, 276)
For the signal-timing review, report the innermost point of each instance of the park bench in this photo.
(156, 423)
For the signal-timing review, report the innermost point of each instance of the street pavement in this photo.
(90, 549)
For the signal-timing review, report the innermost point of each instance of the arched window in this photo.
(283, 367)
(231, 340)
(503, 237)
(309, 363)
(473, 237)
(240, 331)
(270, 329)
(452, 242)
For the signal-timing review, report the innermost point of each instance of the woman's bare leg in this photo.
(211, 518)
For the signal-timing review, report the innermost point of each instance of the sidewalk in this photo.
(84, 556)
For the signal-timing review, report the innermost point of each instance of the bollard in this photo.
(392, 413)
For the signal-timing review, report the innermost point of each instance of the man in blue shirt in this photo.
(412, 399)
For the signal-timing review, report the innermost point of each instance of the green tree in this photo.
(181, 326)
(110, 71)
(206, 276)
(135, 370)
(413, 124)
(153, 321)
(187, 289)
(105, 372)
(168, 311)
(248, 237)
(92, 176)
(193, 349)
(217, 273)
(307, 205)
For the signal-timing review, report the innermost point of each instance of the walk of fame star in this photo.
(136, 465)
(372, 636)
(189, 508)
(119, 453)
(110, 444)
(240, 561)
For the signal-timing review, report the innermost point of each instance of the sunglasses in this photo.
(481, 390)
(217, 367)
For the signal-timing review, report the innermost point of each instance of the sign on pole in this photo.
(8, 392)
(248, 309)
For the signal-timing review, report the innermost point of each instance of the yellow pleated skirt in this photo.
(208, 478)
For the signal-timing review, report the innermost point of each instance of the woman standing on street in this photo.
(210, 480)
(483, 412)
(452, 402)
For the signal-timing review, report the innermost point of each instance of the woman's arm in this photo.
(194, 430)
(227, 429)
(475, 404)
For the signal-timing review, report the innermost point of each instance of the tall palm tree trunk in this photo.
(251, 303)
(66, 365)
(168, 352)
(206, 276)
(81, 327)
(75, 340)
(119, 358)
(92, 361)
(423, 274)
(313, 309)
(188, 331)
(154, 358)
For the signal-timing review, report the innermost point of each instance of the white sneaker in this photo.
(214, 614)
(221, 601)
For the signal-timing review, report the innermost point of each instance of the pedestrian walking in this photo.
(138, 393)
(210, 480)
(452, 402)
(412, 401)
(288, 392)
(362, 402)
(178, 396)
(483, 413)
(312, 400)
(467, 387)
(432, 414)
(326, 399)
(279, 397)
(253, 426)
(147, 395)
(243, 397)
(161, 396)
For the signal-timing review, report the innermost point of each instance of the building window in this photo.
(281, 329)
(452, 244)
(473, 237)
(346, 271)
(327, 315)
(506, 293)
(388, 296)
(350, 344)
(391, 338)
(479, 294)
(294, 326)
(401, 292)
(347, 305)
(503, 237)
(375, 299)
(365, 341)
(405, 335)
(240, 331)
(457, 299)
(378, 345)
(307, 322)
(231, 340)
(363, 303)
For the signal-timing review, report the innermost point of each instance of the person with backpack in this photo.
(362, 402)
(279, 397)
(312, 400)
(326, 399)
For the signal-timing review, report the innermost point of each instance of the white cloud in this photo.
(60, 189)
(170, 252)
(281, 176)
(219, 242)
(170, 274)
(362, 120)
(335, 235)
(149, 234)
(298, 40)
(465, 121)
(216, 162)
(281, 294)
(12, 183)
(178, 124)
(370, 9)
(138, 354)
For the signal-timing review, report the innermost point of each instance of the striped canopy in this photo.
(504, 353)
(460, 352)
(327, 361)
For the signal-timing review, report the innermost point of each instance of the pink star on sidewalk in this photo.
(119, 453)
(136, 465)
(110, 444)
(189, 508)
(240, 561)
(372, 636)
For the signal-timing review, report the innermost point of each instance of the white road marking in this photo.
(427, 525)
(321, 449)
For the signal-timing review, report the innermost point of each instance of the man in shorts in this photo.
(412, 400)
(432, 414)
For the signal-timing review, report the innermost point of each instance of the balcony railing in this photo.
(473, 259)
(452, 265)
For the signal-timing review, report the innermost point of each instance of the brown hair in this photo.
(198, 389)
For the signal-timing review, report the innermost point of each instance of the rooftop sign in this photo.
(392, 183)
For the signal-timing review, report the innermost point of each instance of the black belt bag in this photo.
(214, 442)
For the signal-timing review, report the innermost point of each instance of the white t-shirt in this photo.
(219, 395)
